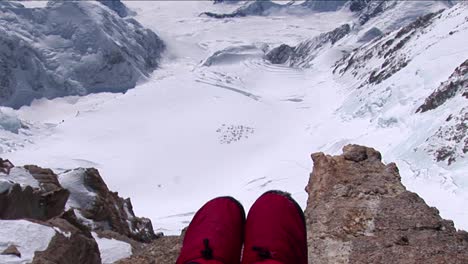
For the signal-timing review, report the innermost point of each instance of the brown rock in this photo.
(359, 212)
(11, 250)
(111, 211)
(34, 203)
(46, 177)
(69, 246)
(5, 166)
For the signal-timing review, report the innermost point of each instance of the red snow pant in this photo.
(273, 233)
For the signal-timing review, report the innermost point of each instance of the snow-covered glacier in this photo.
(71, 48)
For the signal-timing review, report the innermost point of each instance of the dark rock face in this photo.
(450, 142)
(303, 54)
(5, 166)
(108, 210)
(35, 203)
(280, 54)
(256, 8)
(456, 84)
(359, 212)
(390, 50)
(117, 6)
(71, 245)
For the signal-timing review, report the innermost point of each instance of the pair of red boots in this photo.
(274, 232)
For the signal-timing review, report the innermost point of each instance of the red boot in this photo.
(215, 235)
(275, 231)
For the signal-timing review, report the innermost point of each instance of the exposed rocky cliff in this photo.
(358, 211)
(303, 54)
(60, 216)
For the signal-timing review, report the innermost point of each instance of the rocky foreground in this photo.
(358, 211)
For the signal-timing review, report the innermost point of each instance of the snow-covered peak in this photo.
(71, 48)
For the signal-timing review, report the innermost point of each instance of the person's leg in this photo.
(215, 234)
(275, 231)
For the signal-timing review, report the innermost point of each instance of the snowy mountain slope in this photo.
(71, 48)
(243, 126)
(371, 21)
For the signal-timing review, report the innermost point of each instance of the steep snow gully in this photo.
(218, 118)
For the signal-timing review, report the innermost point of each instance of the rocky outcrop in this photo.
(71, 48)
(117, 6)
(303, 54)
(255, 8)
(105, 208)
(390, 51)
(456, 84)
(43, 201)
(69, 245)
(11, 250)
(450, 142)
(64, 216)
(359, 212)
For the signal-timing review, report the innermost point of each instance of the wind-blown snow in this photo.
(21, 176)
(28, 237)
(245, 126)
(112, 250)
(80, 196)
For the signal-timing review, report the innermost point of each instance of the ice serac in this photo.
(102, 209)
(358, 211)
(71, 48)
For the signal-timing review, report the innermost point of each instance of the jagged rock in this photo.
(303, 54)
(255, 8)
(117, 6)
(456, 84)
(5, 166)
(70, 245)
(93, 50)
(280, 54)
(11, 250)
(389, 50)
(359, 212)
(41, 202)
(92, 199)
(450, 142)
